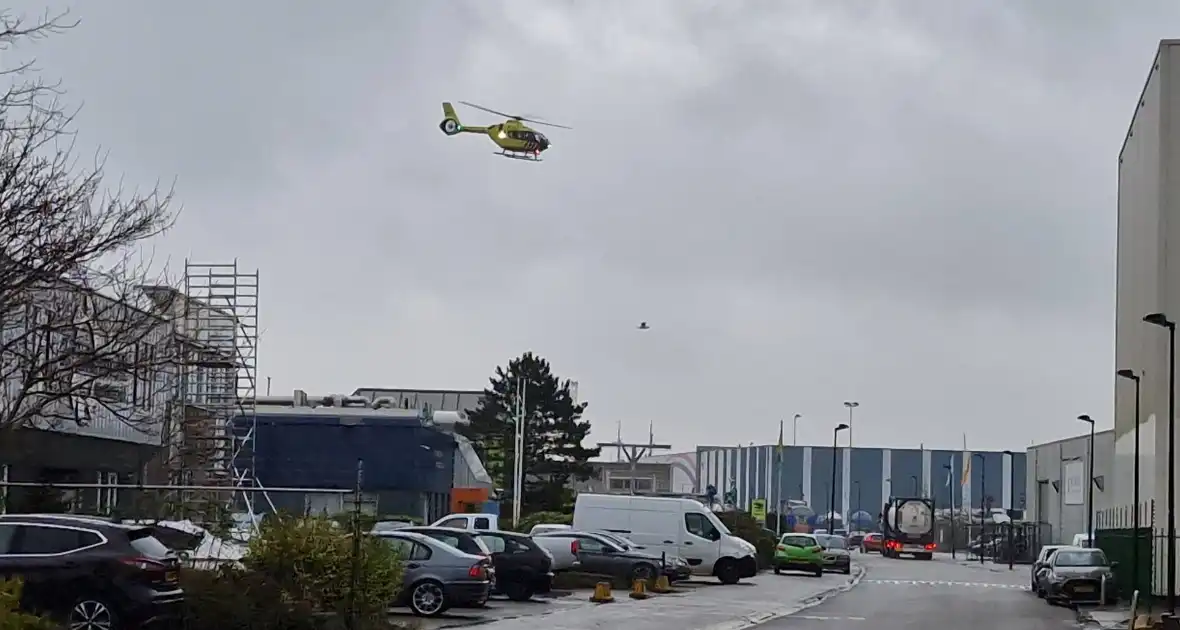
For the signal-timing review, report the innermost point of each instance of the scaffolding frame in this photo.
(217, 387)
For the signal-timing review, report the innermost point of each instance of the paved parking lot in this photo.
(698, 604)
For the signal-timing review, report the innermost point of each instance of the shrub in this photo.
(311, 560)
(745, 527)
(536, 518)
(235, 599)
(10, 616)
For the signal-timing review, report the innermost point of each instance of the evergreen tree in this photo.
(553, 433)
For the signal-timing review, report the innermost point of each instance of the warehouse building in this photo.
(1056, 483)
(1147, 281)
(864, 477)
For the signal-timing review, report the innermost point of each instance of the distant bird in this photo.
(643, 326)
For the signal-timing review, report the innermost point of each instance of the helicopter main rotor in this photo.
(513, 117)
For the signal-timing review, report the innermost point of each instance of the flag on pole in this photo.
(966, 471)
(780, 438)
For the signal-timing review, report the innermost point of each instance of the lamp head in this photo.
(1127, 374)
(1159, 319)
(1086, 418)
(841, 427)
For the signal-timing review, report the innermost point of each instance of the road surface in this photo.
(904, 594)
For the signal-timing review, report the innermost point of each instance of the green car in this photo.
(799, 552)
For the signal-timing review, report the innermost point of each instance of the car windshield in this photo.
(831, 542)
(1079, 558)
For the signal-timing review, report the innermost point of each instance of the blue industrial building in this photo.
(308, 453)
(864, 477)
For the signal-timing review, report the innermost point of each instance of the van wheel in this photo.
(518, 592)
(727, 571)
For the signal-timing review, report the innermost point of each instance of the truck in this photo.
(907, 527)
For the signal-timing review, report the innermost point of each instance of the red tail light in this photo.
(477, 571)
(930, 547)
(574, 547)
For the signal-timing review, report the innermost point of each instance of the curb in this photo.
(756, 619)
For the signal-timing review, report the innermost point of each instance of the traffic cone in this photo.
(639, 589)
(602, 594)
(662, 585)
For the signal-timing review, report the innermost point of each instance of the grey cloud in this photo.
(809, 201)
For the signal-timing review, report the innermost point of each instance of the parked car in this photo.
(855, 538)
(563, 546)
(872, 542)
(545, 528)
(799, 552)
(464, 540)
(389, 526)
(437, 575)
(480, 522)
(603, 556)
(1040, 564)
(836, 556)
(90, 572)
(1074, 575)
(675, 567)
(523, 568)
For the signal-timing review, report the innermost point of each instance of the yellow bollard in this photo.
(602, 593)
(662, 585)
(639, 590)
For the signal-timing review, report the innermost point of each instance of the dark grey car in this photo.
(437, 575)
(836, 556)
(604, 556)
(1076, 575)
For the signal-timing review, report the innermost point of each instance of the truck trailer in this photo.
(907, 526)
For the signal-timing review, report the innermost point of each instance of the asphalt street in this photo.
(904, 594)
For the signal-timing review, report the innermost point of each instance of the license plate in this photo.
(172, 577)
(1084, 588)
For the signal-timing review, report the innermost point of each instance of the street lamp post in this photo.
(832, 498)
(982, 504)
(1161, 320)
(1089, 482)
(795, 430)
(1011, 510)
(1133, 377)
(851, 404)
(950, 471)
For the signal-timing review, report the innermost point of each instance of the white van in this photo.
(678, 527)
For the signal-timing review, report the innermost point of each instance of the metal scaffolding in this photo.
(218, 385)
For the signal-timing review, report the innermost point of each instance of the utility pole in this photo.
(518, 452)
(634, 453)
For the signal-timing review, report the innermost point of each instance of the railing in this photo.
(1134, 551)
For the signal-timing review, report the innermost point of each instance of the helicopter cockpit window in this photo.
(540, 137)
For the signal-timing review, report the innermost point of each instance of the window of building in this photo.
(626, 484)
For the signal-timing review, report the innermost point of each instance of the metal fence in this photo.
(1006, 543)
(1133, 552)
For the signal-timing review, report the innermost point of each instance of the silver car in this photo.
(1077, 575)
(437, 575)
(836, 556)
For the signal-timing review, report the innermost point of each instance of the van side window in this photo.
(458, 523)
(698, 525)
(482, 522)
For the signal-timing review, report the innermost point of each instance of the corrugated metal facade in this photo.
(864, 477)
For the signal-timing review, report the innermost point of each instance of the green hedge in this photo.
(11, 618)
(745, 527)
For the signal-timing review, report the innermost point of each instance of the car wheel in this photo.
(819, 572)
(848, 570)
(518, 591)
(427, 599)
(778, 571)
(727, 572)
(90, 613)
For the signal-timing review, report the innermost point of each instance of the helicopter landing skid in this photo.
(514, 156)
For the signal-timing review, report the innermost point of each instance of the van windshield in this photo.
(718, 524)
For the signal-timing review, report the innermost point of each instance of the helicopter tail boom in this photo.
(450, 124)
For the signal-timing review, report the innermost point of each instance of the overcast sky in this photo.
(809, 201)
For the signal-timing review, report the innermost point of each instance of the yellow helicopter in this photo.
(515, 139)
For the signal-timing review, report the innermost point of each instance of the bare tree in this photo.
(78, 340)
